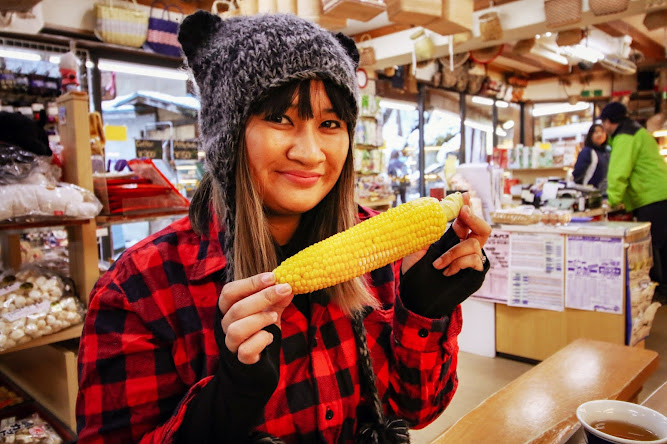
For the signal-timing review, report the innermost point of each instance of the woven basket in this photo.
(569, 37)
(121, 22)
(490, 27)
(523, 46)
(655, 19)
(604, 7)
(562, 12)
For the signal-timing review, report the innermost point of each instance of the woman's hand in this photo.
(249, 305)
(473, 232)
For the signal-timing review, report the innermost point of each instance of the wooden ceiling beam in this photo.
(539, 62)
(640, 41)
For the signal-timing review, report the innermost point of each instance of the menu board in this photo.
(496, 283)
(594, 277)
(536, 271)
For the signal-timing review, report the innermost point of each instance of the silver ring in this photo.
(483, 259)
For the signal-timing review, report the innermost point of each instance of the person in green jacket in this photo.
(637, 177)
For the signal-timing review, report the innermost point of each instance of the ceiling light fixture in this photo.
(397, 104)
(482, 100)
(557, 108)
(582, 52)
(141, 70)
(20, 55)
(508, 125)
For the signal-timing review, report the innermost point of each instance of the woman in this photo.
(593, 160)
(189, 339)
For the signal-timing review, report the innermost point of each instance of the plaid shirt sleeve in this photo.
(129, 387)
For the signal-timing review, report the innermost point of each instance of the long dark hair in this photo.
(589, 136)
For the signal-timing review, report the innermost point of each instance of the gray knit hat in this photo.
(237, 61)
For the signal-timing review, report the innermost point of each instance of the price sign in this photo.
(148, 148)
(186, 149)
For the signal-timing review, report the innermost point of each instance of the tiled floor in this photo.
(480, 377)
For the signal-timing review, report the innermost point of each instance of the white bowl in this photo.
(592, 411)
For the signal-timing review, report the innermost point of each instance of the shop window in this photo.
(562, 121)
(478, 126)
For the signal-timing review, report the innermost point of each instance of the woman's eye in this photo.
(331, 124)
(277, 119)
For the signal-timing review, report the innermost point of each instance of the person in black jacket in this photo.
(593, 160)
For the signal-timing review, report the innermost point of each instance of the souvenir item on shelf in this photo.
(456, 18)
(523, 46)
(486, 55)
(569, 37)
(162, 35)
(366, 51)
(655, 19)
(64, 199)
(490, 27)
(413, 12)
(604, 7)
(225, 8)
(362, 10)
(29, 430)
(68, 67)
(34, 303)
(97, 139)
(26, 18)
(121, 22)
(562, 12)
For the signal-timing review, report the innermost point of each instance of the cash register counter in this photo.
(536, 333)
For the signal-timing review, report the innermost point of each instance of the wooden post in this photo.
(74, 132)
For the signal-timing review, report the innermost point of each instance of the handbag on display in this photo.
(121, 22)
(162, 35)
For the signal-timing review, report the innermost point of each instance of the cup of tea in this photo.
(619, 422)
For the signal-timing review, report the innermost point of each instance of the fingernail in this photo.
(437, 263)
(283, 289)
(268, 278)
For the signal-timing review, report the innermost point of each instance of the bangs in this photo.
(279, 99)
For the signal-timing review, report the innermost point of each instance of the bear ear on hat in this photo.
(195, 32)
(350, 47)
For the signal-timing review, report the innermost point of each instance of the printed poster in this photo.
(496, 283)
(536, 270)
(594, 277)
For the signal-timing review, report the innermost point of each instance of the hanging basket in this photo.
(366, 53)
(523, 46)
(362, 10)
(605, 7)
(655, 19)
(569, 37)
(486, 55)
(490, 27)
(121, 22)
(562, 12)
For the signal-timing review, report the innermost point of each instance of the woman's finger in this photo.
(250, 350)
(234, 291)
(459, 226)
(464, 248)
(479, 228)
(239, 331)
(263, 300)
(470, 261)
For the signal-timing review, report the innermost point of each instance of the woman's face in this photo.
(599, 136)
(295, 162)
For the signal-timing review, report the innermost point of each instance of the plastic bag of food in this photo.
(62, 199)
(35, 303)
(20, 166)
(30, 430)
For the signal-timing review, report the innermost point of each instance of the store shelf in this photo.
(63, 335)
(41, 223)
(526, 170)
(139, 217)
(366, 146)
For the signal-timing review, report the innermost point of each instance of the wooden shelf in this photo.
(41, 223)
(63, 335)
(139, 217)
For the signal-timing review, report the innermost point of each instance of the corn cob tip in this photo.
(452, 205)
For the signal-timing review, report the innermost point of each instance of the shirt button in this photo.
(422, 333)
(330, 414)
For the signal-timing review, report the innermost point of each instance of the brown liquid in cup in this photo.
(624, 430)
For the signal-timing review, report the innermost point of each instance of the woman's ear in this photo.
(195, 32)
(350, 47)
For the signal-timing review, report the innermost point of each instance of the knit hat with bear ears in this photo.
(237, 61)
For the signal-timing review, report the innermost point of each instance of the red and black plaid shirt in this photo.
(148, 347)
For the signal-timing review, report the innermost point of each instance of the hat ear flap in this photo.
(195, 31)
(350, 47)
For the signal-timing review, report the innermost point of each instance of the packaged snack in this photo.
(30, 430)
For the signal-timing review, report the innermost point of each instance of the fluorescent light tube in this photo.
(660, 133)
(397, 104)
(482, 100)
(142, 70)
(502, 104)
(508, 125)
(557, 108)
(20, 54)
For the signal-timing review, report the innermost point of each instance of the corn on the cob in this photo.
(369, 245)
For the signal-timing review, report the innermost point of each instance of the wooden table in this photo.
(539, 406)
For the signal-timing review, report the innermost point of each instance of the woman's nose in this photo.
(307, 146)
